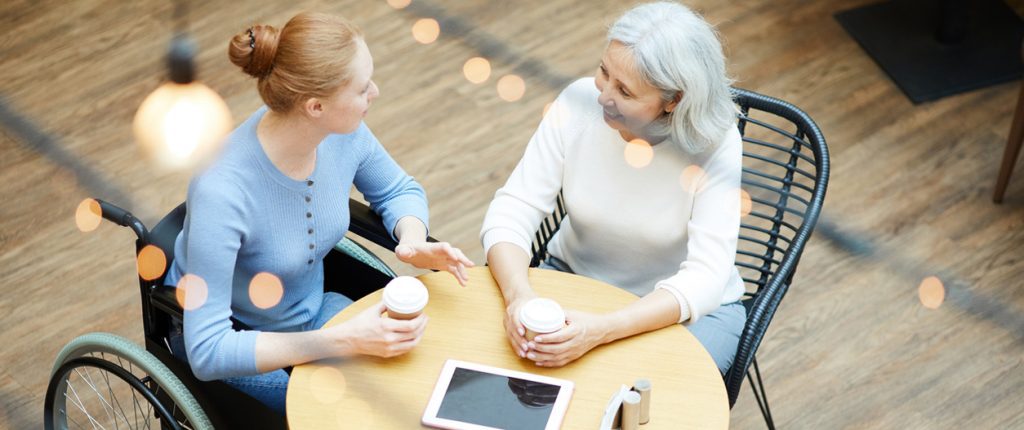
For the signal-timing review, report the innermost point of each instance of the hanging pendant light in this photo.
(182, 124)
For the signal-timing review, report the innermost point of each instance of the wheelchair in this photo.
(100, 380)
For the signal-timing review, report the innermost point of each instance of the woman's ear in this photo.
(313, 108)
(671, 105)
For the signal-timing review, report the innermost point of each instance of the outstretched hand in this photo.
(436, 256)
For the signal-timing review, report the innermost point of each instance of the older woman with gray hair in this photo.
(648, 158)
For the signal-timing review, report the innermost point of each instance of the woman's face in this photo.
(630, 103)
(346, 108)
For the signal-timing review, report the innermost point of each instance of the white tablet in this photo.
(471, 396)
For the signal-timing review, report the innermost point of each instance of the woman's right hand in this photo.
(371, 333)
(514, 328)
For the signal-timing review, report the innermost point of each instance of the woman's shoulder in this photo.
(581, 94)
(358, 144)
(576, 109)
(728, 151)
(223, 182)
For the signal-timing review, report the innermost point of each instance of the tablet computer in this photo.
(471, 396)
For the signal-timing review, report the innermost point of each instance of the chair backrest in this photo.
(785, 174)
(166, 232)
(156, 325)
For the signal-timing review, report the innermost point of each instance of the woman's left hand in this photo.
(582, 332)
(436, 256)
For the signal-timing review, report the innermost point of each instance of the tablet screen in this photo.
(498, 401)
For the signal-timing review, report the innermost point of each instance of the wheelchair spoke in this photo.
(73, 420)
(128, 387)
(87, 377)
(95, 424)
(106, 377)
(106, 404)
(78, 403)
(109, 401)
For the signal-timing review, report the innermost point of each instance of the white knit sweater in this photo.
(671, 224)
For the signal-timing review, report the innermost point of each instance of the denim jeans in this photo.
(718, 332)
(270, 387)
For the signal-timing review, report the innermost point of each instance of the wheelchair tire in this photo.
(93, 370)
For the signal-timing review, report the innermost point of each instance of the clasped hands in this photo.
(582, 332)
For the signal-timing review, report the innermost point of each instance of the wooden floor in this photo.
(851, 346)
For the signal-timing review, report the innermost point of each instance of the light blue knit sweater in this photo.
(246, 217)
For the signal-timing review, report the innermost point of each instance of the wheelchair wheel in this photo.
(101, 380)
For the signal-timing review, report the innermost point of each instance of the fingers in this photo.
(554, 363)
(514, 331)
(403, 347)
(463, 259)
(557, 342)
(562, 335)
(405, 326)
(460, 274)
(377, 309)
(539, 357)
(404, 252)
(517, 345)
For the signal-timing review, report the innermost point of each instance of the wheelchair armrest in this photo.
(366, 223)
(164, 298)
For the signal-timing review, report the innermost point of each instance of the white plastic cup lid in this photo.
(405, 295)
(542, 315)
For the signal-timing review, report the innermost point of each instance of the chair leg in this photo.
(1013, 145)
(760, 396)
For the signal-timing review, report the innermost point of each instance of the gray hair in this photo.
(677, 51)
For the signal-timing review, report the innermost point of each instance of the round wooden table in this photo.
(466, 324)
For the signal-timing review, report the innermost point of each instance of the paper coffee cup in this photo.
(541, 316)
(405, 297)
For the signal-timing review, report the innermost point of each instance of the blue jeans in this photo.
(719, 332)
(270, 387)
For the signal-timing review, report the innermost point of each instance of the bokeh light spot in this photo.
(151, 262)
(327, 385)
(426, 30)
(477, 70)
(931, 292)
(265, 290)
(511, 88)
(399, 4)
(88, 215)
(638, 153)
(191, 292)
(746, 203)
(688, 179)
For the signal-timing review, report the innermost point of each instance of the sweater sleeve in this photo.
(713, 230)
(391, 192)
(532, 189)
(216, 229)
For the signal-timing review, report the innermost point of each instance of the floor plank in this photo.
(851, 346)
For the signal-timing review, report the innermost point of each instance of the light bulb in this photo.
(182, 125)
(183, 122)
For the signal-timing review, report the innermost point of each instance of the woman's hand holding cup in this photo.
(370, 333)
(535, 317)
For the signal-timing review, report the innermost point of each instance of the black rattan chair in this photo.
(785, 173)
